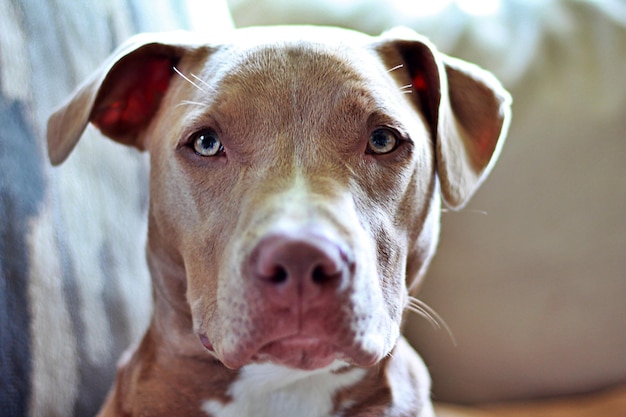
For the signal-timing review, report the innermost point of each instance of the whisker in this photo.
(406, 89)
(190, 103)
(395, 68)
(188, 80)
(209, 86)
(418, 306)
(349, 167)
(424, 313)
(473, 211)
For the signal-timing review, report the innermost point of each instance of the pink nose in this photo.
(299, 270)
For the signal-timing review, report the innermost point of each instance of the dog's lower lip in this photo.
(206, 342)
(300, 352)
(299, 341)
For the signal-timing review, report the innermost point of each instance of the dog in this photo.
(296, 179)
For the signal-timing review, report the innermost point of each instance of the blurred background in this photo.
(531, 276)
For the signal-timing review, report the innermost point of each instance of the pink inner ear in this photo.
(419, 82)
(485, 144)
(135, 99)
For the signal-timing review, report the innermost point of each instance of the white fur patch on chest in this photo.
(267, 390)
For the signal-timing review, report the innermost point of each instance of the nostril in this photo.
(297, 267)
(320, 275)
(279, 275)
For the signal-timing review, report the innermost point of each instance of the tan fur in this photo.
(294, 109)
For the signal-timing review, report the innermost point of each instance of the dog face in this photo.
(294, 180)
(313, 154)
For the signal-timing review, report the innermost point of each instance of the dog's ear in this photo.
(122, 96)
(466, 108)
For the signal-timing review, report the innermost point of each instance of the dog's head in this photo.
(295, 179)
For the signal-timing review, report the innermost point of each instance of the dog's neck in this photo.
(172, 316)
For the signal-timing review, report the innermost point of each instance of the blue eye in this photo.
(382, 141)
(206, 142)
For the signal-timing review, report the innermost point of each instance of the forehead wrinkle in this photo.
(291, 85)
(301, 86)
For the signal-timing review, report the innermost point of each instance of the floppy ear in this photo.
(122, 96)
(466, 108)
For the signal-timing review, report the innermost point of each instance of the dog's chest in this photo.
(272, 391)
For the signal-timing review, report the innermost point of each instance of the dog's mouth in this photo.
(299, 352)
